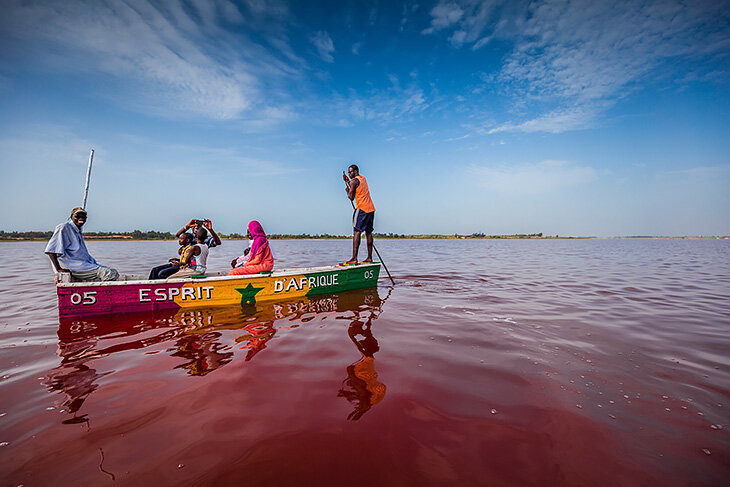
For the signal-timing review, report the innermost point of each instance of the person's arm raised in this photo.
(209, 225)
(351, 187)
(184, 229)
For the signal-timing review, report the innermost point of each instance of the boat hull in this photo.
(97, 298)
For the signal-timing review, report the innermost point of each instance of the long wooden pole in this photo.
(376, 251)
(88, 176)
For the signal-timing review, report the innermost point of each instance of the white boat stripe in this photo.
(281, 273)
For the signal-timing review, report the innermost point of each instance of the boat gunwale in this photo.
(183, 280)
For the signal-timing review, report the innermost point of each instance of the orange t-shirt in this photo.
(362, 196)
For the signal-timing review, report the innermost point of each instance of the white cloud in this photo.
(229, 163)
(170, 58)
(52, 149)
(453, 139)
(273, 8)
(404, 18)
(573, 59)
(469, 17)
(710, 173)
(324, 45)
(396, 103)
(557, 121)
(268, 117)
(458, 38)
(45, 146)
(531, 178)
(444, 14)
(384, 106)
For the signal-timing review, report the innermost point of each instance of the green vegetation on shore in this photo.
(135, 235)
(155, 235)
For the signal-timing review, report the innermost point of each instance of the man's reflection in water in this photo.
(78, 344)
(192, 333)
(362, 387)
(77, 382)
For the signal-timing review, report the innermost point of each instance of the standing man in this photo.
(364, 216)
(68, 252)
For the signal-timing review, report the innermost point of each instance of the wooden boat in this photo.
(81, 299)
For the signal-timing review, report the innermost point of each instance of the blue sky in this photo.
(562, 117)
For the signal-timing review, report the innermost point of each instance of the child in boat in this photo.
(166, 270)
(194, 260)
(260, 257)
(242, 259)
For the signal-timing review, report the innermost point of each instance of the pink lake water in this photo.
(490, 362)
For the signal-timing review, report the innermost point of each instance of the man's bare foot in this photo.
(351, 261)
(368, 260)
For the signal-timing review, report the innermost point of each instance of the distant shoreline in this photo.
(138, 236)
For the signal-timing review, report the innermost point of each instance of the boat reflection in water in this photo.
(201, 338)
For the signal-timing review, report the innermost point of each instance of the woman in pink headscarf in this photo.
(260, 257)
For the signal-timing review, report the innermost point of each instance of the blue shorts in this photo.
(363, 222)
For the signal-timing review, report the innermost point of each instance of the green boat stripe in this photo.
(334, 281)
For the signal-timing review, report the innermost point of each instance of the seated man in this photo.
(166, 270)
(68, 252)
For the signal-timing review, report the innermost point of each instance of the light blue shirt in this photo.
(68, 242)
(208, 241)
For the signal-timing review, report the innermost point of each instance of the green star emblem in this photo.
(248, 294)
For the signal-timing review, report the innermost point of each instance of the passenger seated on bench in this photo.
(194, 261)
(68, 252)
(243, 258)
(260, 257)
(166, 270)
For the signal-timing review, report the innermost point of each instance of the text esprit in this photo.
(200, 292)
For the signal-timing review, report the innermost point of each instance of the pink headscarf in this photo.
(260, 242)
